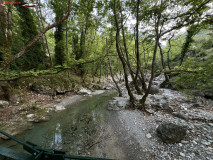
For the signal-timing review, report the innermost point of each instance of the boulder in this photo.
(84, 91)
(59, 107)
(154, 90)
(118, 103)
(108, 86)
(171, 133)
(159, 101)
(41, 89)
(4, 104)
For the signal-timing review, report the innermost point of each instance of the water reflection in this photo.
(74, 130)
(56, 143)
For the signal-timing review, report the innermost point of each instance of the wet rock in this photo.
(4, 104)
(41, 89)
(84, 91)
(171, 133)
(154, 90)
(118, 103)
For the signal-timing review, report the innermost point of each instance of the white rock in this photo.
(4, 104)
(84, 91)
(30, 115)
(148, 136)
(182, 154)
(59, 107)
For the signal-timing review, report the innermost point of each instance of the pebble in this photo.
(194, 142)
(148, 136)
(182, 154)
(205, 143)
(184, 142)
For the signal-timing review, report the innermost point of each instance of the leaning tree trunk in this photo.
(111, 72)
(36, 38)
(132, 98)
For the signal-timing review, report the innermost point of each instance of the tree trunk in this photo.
(168, 58)
(36, 38)
(162, 62)
(134, 78)
(111, 72)
(39, 25)
(143, 100)
(8, 36)
(132, 98)
(45, 37)
(67, 48)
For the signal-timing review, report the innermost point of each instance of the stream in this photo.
(73, 130)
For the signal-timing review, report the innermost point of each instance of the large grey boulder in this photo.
(154, 90)
(171, 133)
(41, 89)
(118, 103)
(4, 104)
(159, 101)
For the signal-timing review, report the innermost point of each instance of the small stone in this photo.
(30, 115)
(210, 124)
(180, 115)
(184, 142)
(180, 144)
(205, 143)
(182, 154)
(194, 142)
(148, 136)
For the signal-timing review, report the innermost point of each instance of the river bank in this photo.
(131, 134)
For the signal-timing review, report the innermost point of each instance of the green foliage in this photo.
(28, 29)
(59, 9)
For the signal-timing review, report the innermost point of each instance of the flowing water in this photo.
(74, 130)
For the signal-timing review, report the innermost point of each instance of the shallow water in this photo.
(74, 130)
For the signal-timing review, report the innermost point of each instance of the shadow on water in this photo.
(74, 130)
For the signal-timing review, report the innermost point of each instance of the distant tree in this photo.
(34, 56)
(60, 55)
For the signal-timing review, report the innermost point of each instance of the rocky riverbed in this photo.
(132, 134)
